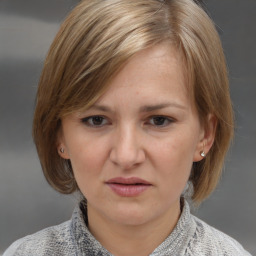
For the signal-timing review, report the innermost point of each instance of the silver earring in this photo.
(202, 153)
(62, 150)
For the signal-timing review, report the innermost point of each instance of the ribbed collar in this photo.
(175, 244)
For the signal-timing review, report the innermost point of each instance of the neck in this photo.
(139, 240)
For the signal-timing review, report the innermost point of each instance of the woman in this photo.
(133, 111)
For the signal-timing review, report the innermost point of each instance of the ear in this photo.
(206, 138)
(61, 145)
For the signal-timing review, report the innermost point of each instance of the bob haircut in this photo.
(96, 40)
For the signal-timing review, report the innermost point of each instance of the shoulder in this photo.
(211, 241)
(50, 241)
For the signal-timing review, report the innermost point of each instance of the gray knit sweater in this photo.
(191, 236)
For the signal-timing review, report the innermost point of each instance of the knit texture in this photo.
(191, 237)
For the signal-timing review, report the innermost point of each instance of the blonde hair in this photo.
(96, 40)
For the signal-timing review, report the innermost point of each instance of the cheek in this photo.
(174, 168)
(87, 159)
(87, 165)
(174, 157)
(176, 149)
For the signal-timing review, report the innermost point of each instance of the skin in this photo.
(147, 127)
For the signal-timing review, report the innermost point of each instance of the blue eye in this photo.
(160, 121)
(94, 121)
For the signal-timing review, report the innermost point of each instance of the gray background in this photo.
(28, 204)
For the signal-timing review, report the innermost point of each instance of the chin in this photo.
(131, 216)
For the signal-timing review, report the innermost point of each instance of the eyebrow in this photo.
(101, 108)
(146, 108)
(150, 108)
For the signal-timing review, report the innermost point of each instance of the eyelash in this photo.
(162, 118)
(88, 121)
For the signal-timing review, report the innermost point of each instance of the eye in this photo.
(95, 121)
(161, 121)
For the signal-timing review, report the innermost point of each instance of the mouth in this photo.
(128, 187)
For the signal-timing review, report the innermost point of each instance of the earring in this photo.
(202, 153)
(62, 150)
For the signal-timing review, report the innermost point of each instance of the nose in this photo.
(127, 150)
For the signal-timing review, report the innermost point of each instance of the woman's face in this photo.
(133, 150)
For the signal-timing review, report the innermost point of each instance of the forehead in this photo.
(158, 69)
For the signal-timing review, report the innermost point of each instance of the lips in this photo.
(128, 187)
